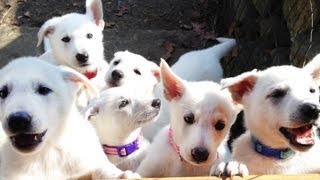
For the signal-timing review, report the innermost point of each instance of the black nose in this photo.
(116, 75)
(19, 122)
(200, 154)
(309, 111)
(82, 58)
(156, 103)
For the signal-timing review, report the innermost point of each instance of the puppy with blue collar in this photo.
(281, 109)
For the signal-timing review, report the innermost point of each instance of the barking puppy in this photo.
(75, 40)
(201, 115)
(45, 136)
(203, 64)
(118, 115)
(127, 67)
(281, 109)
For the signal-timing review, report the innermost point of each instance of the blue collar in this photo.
(270, 152)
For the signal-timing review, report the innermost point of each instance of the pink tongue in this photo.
(306, 137)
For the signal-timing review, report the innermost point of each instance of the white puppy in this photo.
(200, 65)
(203, 64)
(46, 138)
(201, 116)
(127, 67)
(118, 115)
(281, 109)
(75, 40)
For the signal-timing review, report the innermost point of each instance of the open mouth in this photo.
(112, 83)
(27, 142)
(302, 137)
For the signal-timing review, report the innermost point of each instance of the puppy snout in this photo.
(309, 111)
(117, 75)
(19, 122)
(200, 154)
(156, 103)
(82, 58)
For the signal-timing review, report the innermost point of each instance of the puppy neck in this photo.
(267, 151)
(173, 143)
(120, 137)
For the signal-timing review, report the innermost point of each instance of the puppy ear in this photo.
(172, 84)
(91, 110)
(313, 67)
(240, 85)
(47, 28)
(156, 73)
(76, 77)
(95, 11)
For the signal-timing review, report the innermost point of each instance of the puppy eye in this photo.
(137, 71)
(116, 62)
(219, 125)
(278, 93)
(4, 92)
(89, 35)
(312, 90)
(189, 118)
(66, 39)
(42, 90)
(123, 103)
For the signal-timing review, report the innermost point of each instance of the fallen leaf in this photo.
(110, 24)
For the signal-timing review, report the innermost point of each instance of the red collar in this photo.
(91, 74)
(173, 144)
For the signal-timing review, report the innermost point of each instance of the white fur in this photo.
(203, 64)
(129, 65)
(117, 126)
(265, 115)
(70, 147)
(210, 105)
(77, 27)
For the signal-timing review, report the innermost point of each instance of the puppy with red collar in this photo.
(75, 40)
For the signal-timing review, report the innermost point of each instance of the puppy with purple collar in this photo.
(118, 115)
(281, 109)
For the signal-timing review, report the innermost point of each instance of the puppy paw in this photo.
(130, 175)
(232, 168)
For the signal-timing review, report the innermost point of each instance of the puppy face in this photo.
(121, 110)
(76, 39)
(281, 105)
(34, 107)
(128, 67)
(201, 116)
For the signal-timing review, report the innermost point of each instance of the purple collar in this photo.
(124, 150)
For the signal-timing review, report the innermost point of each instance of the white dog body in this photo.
(202, 65)
(75, 40)
(46, 137)
(118, 115)
(281, 107)
(200, 117)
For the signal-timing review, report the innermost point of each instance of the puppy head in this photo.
(281, 105)
(121, 110)
(76, 39)
(128, 67)
(201, 116)
(35, 101)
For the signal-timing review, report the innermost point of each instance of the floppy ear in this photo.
(78, 78)
(95, 11)
(91, 110)
(313, 67)
(47, 28)
(240, 85)
(173, 87)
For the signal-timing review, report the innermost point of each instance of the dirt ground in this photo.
(178, 25)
